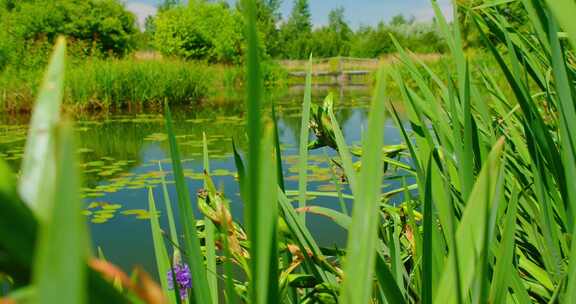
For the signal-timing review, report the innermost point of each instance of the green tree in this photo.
(297, 31)
(150, 25)
(268, 16)
(400, 20)
(417, 37)
(93, 28)
(371, 42)
(335, 38)
(168, 4)
(202, 31)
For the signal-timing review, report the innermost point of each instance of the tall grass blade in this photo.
(343, 149)
(193, 254)
(303, 148)
(38, 163)
(264, 250)
(564, 11)
(502, 277)
(59, 271)
(209, 234)
(471, 232)
(427, 277)
(467, 166)
(261, 213)
(168, 205)
(160, 253)
(279, 169)
(362, 238)
(387, 282)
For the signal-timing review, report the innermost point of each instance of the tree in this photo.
(267, 17)
(400, 20)
(371, 42)
(296, 32)
(300, 18)
(93, 28)
(168, 4)
(333, 39)
(150, 25)
(202, 30)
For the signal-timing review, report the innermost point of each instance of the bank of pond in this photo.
(146, 82)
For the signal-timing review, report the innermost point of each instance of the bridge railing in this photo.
(333, 64)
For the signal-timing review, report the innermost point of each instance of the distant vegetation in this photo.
(200, 31)
(104, 39)
(118, 84)
(212, 31)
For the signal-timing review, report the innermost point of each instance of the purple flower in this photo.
(183, 279)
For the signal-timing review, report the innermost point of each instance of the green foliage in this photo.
(189, 32)
(514, 12)
(267, 18)
(103, 85)
(335, 39)
(295, 34)
(375, 41)
(95, 28)
(204, 31)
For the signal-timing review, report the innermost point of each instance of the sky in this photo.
(358, 12)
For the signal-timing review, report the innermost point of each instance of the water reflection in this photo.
(122, 153)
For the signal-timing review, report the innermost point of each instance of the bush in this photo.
(203, 31)
(95, 27)
(372, 42)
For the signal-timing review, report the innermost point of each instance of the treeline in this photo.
(212, 31)
(202, 30)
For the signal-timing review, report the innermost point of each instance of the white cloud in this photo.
(141, 11)
(427, 14)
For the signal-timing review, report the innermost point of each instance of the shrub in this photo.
(203, 31)
(96, 27)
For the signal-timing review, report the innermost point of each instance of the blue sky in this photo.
(358, 12)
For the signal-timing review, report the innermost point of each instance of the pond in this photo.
(122, 154)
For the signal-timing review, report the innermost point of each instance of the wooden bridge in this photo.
(336, 70)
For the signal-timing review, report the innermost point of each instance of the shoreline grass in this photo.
(98, 85)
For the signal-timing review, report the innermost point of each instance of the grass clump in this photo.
(117, 84)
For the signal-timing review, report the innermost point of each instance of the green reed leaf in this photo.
(193, 254)
(62, 243)
(304, 132)
(362, 237)
(38, 163)
(160, 253)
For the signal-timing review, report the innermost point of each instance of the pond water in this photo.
(121, 155)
